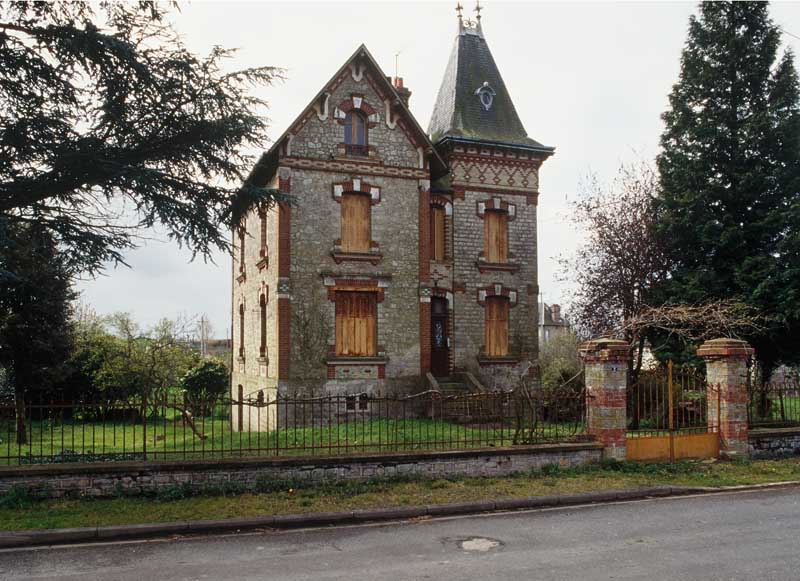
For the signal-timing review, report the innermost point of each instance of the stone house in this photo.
(402, 251)
(552, 323)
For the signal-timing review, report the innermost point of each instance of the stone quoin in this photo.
(403, 251)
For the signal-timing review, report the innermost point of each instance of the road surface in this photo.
(754, 535)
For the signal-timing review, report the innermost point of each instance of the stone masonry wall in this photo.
(316, 224)
(254, 373)
(469, 321)
(108, 480)
(774, 443)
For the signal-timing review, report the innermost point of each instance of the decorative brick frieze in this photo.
(606, 393)
(726, 371)
(355, 165)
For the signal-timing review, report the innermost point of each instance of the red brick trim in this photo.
(350, 284)
(497, 290)
(362, 166)
(496, 204)
(356, 186)
(424, 337)
(284, 336)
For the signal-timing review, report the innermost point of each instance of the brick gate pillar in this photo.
(606, 393)
(726, 370)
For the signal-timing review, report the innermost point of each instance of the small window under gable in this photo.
(355, 133)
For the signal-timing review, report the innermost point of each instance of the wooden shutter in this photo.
(495, 236)
(437, 233)
(497, 326)
(356, 324)
(356, 230)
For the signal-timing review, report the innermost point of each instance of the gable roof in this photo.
(459, 112)
(268, 162)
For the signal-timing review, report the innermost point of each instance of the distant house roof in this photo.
(473, 102)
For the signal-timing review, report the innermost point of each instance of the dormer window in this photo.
(486, 95)
(355, 133)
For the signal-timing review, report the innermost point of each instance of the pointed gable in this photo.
(473, 102)
(391, 110)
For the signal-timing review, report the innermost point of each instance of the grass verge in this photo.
(18, 512)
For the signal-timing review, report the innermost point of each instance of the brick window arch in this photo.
(357, 117)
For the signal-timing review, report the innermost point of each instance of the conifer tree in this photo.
(729, 210)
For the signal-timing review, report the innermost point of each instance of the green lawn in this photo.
(19, 513)
(782, 410)
(167, 438)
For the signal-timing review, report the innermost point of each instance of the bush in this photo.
(204, 384)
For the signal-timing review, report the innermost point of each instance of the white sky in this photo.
(590, 78)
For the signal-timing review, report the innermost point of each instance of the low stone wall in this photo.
(774, 443)
(134, 478)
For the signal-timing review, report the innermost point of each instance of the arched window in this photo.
(262, 349)
(241, 330)
(241, 248)
(355, 133)
(262, 216)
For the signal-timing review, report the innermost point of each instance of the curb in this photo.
(19, 539)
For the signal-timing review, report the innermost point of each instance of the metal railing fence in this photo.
(774, 404)
(57, 431)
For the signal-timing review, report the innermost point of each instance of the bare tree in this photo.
(621, 260)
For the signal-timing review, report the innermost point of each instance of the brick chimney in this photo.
(556, 313)
(404, 93)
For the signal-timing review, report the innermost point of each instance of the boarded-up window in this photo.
(497, 326)
(495, 236)
(437, 233)
(262, 302)
(356, 230)
(356, 324)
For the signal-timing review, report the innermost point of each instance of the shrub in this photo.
(205, 383)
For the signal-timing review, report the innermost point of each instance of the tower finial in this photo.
(459, 8)
(478, 9)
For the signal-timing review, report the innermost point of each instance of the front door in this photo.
(440, 341)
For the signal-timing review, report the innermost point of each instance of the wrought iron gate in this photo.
(672, 414)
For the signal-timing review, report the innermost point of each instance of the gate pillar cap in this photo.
(605, 349)
(724, 349)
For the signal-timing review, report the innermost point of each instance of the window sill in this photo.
(262, 264)
(485, 360)
(484, 266)
(372, 257)
(357, 360)
(242, 277)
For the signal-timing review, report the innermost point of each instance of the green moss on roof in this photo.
(459, 112)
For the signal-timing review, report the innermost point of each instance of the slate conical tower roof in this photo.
(473, 102)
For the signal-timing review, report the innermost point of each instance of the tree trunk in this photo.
(19, 402)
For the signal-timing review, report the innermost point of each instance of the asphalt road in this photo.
(753, 535)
